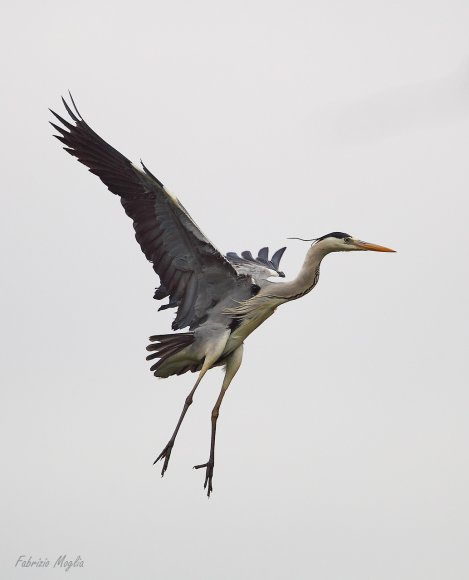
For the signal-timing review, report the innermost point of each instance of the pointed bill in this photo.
(371, 247)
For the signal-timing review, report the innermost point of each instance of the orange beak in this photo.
(371, 247)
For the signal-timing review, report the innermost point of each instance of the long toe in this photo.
(208, 475)
(165, 454)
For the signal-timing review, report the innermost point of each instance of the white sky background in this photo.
(342, 443)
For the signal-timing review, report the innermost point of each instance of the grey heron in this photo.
(221, 299)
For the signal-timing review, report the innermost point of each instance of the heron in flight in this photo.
(221, 299)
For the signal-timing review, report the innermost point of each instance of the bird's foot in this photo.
(208, 475)
(165, 454)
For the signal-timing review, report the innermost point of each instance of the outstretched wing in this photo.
(193, 273)
(261, 268)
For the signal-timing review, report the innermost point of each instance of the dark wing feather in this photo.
(277, 257)
(262, 259)
(192, 271)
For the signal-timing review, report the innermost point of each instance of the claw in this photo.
(166, 454)
(208, 475)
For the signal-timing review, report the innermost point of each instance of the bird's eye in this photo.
(347, 240)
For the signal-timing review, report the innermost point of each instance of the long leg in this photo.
(210, 358)
(232, 366)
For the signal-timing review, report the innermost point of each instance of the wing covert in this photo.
(260, 269)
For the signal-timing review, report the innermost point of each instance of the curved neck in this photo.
(306, 279)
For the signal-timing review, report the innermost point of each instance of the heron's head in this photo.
(340, 242)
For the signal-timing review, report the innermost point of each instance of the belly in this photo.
(249, 323)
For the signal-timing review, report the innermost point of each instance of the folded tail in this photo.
(167, 347)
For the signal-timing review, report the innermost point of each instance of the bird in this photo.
(219, 299)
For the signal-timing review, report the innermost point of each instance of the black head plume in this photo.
(339, 235)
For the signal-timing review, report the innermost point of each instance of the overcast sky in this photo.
(342, 442)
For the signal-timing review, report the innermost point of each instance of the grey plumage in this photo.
(222, 299)
(260, 268)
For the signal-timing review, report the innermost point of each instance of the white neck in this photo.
(306, 280)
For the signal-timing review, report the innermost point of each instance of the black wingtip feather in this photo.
(69, 111)
(63, 121)
(74, 106)
(61, 139)
(59, 129)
